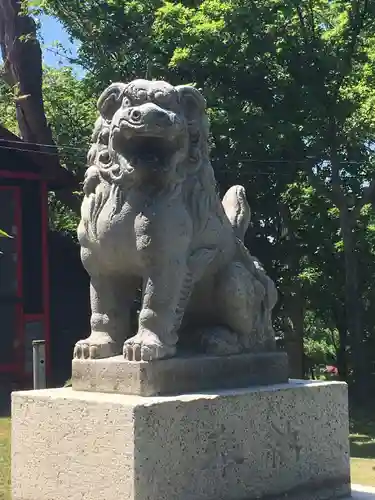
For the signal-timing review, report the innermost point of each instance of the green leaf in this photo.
(3, 234)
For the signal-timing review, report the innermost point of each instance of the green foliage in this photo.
(4, 234)
(8, 108)
(71, 114)
(61, 218)
(320, 343)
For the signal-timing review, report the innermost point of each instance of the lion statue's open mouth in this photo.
(144, 151)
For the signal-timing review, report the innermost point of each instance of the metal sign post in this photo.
(39, 364)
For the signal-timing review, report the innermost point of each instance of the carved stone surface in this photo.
(152, 218)
(287, 441)
(179, 375)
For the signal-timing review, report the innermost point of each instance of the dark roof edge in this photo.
(56, 176)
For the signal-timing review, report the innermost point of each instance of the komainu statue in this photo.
(151, 217)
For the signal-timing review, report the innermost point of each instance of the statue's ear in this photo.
(192, 101)
(110, 100)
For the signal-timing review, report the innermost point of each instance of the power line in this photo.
(47, 153)
(65, 146)
(25, 150)
(83, 152)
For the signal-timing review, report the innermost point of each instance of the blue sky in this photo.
(52, 31)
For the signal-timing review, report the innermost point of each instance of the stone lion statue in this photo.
(151, 215)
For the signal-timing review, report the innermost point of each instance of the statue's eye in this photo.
(126, 102)
(141, 95)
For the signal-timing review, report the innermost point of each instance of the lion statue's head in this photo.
(148, 132)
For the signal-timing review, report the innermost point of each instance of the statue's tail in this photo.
(237, 210)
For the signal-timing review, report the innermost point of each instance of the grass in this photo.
(4, 459)
(362, 452)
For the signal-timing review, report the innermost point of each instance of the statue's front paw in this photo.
(95, 347)
(146, 346)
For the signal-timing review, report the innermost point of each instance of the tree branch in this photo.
(367, 197)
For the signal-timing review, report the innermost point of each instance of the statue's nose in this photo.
(149, 115)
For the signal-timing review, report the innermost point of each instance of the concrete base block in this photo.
(281, 441)
(179, 375)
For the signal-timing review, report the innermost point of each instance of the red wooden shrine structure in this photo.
(25, 178)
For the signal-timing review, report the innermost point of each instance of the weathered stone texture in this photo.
(230, 445)
(179, 375)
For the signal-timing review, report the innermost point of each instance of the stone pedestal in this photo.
(179, 375)
(279, 441)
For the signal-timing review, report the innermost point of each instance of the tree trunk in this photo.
(294, 302)
(353, 300)
(341, 352)
(294, 334)
(22, 69)
(353, 303)
(22, 57)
